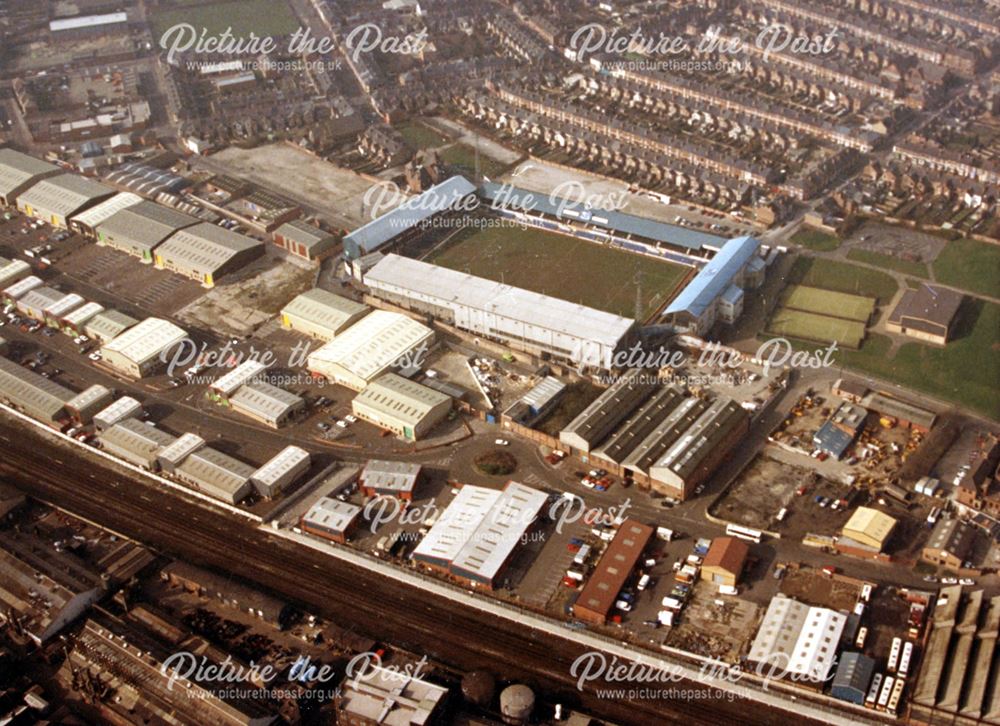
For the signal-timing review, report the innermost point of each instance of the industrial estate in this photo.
(499, 362)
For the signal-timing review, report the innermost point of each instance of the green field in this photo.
(964, 372)
(420, 136)
(814, 239)
(564, 267)
(970, 265)
(843, 277)
(828, 302)
(261, 17)
(889, 262)
(816, 328)
(463, 157)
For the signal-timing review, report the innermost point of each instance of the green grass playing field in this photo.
(816, 328)
(260, 17)
(561, 266)
(843, 277)
(828, 302)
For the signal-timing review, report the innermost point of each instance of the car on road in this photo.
(967, 581)
(350, 419)
(94, 356)
(342, 424)
(949, 580)
(502, 442)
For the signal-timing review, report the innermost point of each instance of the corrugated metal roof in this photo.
(324, 309)
(83, 314)
(17, 168)
(331, 515)
(264, 400)
(242, 373)
(307, 235)
(88, 397)
(63, 194)
(456, 524)
(713, 279)
(543, 393)
(205, 247)
(64, 306)
(454, 288)
(506, 196)
(27, 389)
(212, 469)
(124, 407)
(182, 448)
(22, 287)
(145, 224)
(283, 462)
(135, 436)
(409, 214)
(397, 476)
(110, 323)
(78, 22)
(144, 341)
(373, 344)
(403, 399)
(102, 211)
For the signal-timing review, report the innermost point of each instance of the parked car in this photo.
(502, 442)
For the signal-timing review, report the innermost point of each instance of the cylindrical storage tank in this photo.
(516, 704)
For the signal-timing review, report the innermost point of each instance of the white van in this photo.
(728, 590)
(643, 583)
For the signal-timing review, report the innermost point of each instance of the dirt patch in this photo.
(761, 491)
(814, 588)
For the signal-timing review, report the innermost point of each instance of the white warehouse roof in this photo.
(243, 373)
(144, 341)
(331, 515)
(99, 212)
(282, 463)
(798, 638)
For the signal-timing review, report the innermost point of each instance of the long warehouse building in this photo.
(139, 229)
(33, 394)
(518, 318)
(55, 199)
(206, 252)
(139, 351)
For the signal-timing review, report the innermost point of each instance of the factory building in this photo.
(13, 293)
(613, 570)
(379, 342)
(206, 252)
(137, 351)
(408, 409)
(140, 228)
(12, 271)
(715, 293)
(34, 303)
(898, 411)
(660, 436)
(33, 394)
(869, 528)
(539, 324)
(232, 594)
(382, 478)
(18, 172)
(321, 314)
(86, 222)
(477, 534)
(225, 386)
(927, 313)
(383, 696)
(950, 544)
(854, 675)
(74, 322)
(84, 406)
(266, 403)
(798, 640)
(305, 241)
(406, 220)
(331, 519)
(180, 449)
(55, 199)
(39, 592)
(537, 402)
(216, 474)
(125, 407)
(57, 311)
(724, 562)
(135, 442)
(107, 325)
(281, 471)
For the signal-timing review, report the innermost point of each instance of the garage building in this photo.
(55, 312)
(869, 528)
(612, 572)
(406, 408)
(331, 519)
(266, 403)
(139, 229)
(135, 442)
(13, 293)
(724, 562)
(216, 474)
(225, 386)
(34, 303)
(377, 343)
(321, 314)
(18, 172)
(382, 478)
(927, 313)
(33, 394)
(12, 271)
(108, 325)
(206, 252)
(521, 319)
(284, 469)
(84, 406)
(136, 352)
(73, 323)
(55, 199)
(305, 241)
(125, 407)
(86, 222)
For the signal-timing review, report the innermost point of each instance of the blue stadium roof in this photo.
(410, 213)
(715, 277)
(626, 224)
